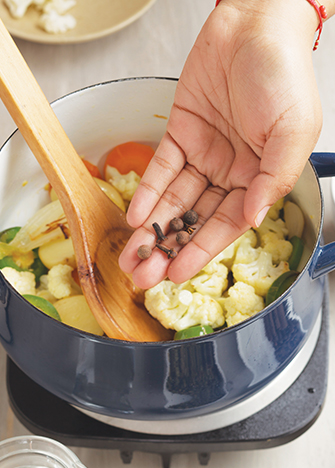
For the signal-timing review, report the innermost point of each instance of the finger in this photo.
(164, 167)
(155, 269)
(180, 196)
(151, 271)
(129, 259)
(226, 224)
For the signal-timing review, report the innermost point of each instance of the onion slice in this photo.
(48, 223)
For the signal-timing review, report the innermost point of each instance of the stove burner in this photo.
(280, 422)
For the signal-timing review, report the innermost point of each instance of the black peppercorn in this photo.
(190, 217)
(182, 237)
(144, 251)
(176, 224)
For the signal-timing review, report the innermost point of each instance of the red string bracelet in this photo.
(322, 14)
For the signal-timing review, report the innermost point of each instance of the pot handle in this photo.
(324, 256)
(324, 260)
(324, 164)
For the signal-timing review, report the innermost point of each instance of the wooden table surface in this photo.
(157, 45)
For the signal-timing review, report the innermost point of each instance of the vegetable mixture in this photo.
(39, 261)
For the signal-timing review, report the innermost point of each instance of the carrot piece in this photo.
(130, 156)
(92, 169)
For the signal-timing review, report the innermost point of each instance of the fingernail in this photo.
(261, 215)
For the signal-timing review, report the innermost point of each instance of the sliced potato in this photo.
(111, 193)
(294, 219)
(74, 311)
(109, 190)
(58, 252)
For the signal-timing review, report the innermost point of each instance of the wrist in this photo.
(282, 17)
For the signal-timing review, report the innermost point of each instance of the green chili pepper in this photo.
(280, 285)
(43, 305)
(8, 234)
(6, 237)
(298, 248)
(38, 268)
(9, 262)
(192, 332)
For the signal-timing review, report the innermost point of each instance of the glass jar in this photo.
(36, 452)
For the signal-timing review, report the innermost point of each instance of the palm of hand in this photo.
(227, 149)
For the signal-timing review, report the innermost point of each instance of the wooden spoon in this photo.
(98, 227)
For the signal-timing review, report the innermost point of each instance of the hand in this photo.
(245, 119)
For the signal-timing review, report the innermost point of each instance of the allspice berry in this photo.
(144, 251)
(176, 224)
(182, 237)
(190, 217)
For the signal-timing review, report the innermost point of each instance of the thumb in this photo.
(272, 184)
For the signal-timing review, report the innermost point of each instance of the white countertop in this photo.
(157, 45)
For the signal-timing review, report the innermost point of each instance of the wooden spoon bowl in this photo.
(98, 227)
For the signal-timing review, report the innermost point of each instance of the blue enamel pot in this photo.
(167, 381)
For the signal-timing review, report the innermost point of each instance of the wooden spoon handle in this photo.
(38, 123)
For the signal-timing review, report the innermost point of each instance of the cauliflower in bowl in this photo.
(52, 13)
(181, 306)
(240, 303)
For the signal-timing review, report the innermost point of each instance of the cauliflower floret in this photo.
(277, 226)
(242, 302)
(203, 310)
(227, 255)
(18, 8)
(260, 274)
(246, 251)
(60, 282)
(212, 280)
(46, 294)
(54, 23)
(162, 301)
(23, 281)
(274, 211)
(52, 19)
(177, 307)
(43, 283)
(126, 184)
(280, 249)
(43, 290)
